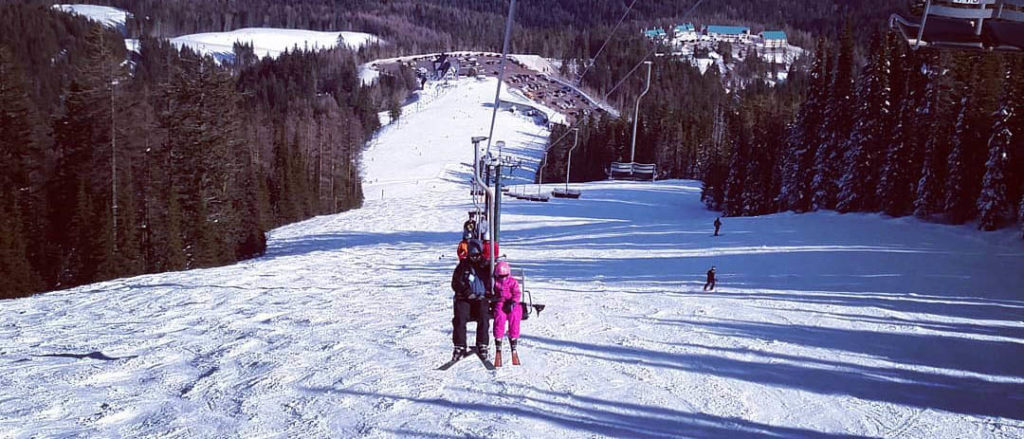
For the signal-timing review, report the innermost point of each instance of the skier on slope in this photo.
(472, 284)
(507, 309)
(718, 225)
(711, 279)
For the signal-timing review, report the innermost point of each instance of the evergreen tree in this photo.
(205, 156)
(1020, 217)
(803, 138)
(75, 143)
(17, 277)
(958, 171)
(865, 147)
(837, 126)
(175, 253)
(735, 203)
(993, 204)
(898, 174)
(981, 82)
(21, 156)
(934, 115)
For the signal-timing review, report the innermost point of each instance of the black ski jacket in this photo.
(461, 283)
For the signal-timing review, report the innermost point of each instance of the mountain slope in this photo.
(823, 325)
(269, 42)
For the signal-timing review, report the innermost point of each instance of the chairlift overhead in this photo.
(989, 25)
(569, 193)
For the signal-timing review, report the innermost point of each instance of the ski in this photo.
(448, 365)
(487, 363)
(451, 363)
(515, 358)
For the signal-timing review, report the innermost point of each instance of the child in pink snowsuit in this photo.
(507, 309)
(507, 288)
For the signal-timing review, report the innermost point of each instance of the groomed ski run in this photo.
(822, 325)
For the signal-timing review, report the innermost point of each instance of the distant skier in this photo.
(711, 279)
(507, 309)
(472, 283)
(718, 225)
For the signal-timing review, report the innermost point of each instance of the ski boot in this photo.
(460, 351)
(497, 353)
(481, 350)
(515, 355)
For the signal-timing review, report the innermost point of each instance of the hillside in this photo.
(269, 42)
(823, 325)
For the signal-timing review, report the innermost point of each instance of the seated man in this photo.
(472, 284)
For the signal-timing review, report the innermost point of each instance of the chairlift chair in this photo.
(965, 24)
(565, 193)
(620, 171)
(632, 171)
(526, 301)
(645, 171)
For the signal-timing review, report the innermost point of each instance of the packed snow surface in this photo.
(822, 325)
(269, 42)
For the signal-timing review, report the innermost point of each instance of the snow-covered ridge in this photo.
(266, 42)
(269, 42)
(105, 15)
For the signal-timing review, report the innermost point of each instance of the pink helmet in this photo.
(501, 269)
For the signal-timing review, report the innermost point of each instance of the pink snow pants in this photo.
(500, 317)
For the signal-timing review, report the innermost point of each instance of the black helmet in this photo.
(474, 247)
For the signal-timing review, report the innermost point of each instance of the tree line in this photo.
(543, 27)
(118, 164)
(922, 133)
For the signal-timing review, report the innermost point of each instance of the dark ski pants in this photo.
(716, 230)
(711, 283)
(466, 310)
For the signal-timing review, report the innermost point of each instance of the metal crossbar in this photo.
(965, 24)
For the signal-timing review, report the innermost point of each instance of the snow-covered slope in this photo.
(822, 326)
(105, 15)
(270, 42)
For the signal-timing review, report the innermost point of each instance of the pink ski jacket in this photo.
(508, 289)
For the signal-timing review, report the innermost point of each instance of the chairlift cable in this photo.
(654, 48)
(623, 80)
(501, 72)
(606, 40)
